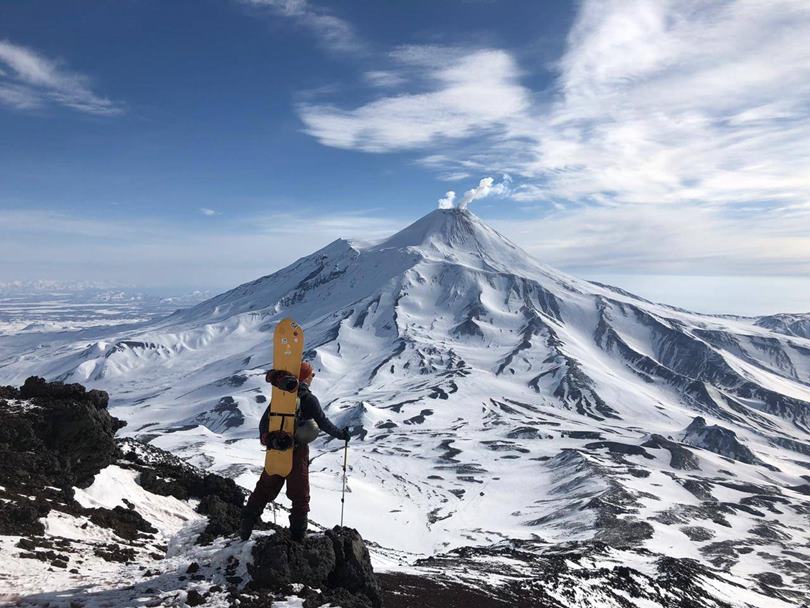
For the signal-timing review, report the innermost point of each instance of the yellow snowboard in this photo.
(288, 346)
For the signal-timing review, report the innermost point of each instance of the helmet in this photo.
(305, 371)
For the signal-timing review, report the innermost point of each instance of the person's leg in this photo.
(298, 492)
(266, 490)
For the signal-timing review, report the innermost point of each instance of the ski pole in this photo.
(343, 495)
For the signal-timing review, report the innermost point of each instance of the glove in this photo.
(283, 380)
(345, 435)
(263, 438)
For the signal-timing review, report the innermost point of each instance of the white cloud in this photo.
(383, 78)
(18, 96)
(209, 212)
(465, 94)
(485, 187)
(482, 190)
(332, 32)
(31, 81)
(656, 102)
(666, 102)
(453, 176)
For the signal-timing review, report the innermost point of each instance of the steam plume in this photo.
(446, 202)
(482, 190)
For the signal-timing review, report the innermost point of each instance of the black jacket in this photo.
(309, 409)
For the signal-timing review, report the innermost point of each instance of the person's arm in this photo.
(315, 410)
(263, 428)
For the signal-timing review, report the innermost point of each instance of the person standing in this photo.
(309, 418)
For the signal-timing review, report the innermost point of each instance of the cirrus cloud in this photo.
(667, 102)
(654, 102)
(332, 32)
(30, 80)
(464, 93)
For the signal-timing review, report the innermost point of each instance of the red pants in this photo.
(268, 486)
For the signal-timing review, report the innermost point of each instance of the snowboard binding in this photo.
(282, 380)
(279, 441)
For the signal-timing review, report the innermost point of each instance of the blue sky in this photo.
(202, 101)
(192, 142)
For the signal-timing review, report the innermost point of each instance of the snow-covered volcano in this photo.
(494, 398)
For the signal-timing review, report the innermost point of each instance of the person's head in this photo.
(306, 373)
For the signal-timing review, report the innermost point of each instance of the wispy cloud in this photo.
(465, 93)
(209, 212)
(28, 80)
(332, 32)
(666, 102)
(384, 78)
(453, 176)
(655, 102)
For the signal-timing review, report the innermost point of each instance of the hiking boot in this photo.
(246, 523)
(298, 528)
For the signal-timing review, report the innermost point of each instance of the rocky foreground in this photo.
(171, 539)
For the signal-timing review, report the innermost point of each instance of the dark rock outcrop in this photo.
(223, 416)
(336, 562)
(164, 474)
(126, 523)
(55, 436)
(680, 457)
(788, 324)
(719, 440)
(22, 519)
(65, 430)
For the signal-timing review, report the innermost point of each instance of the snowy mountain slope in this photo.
(494, 398)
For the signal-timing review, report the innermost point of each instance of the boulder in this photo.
(337, 562)
(223, 518)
